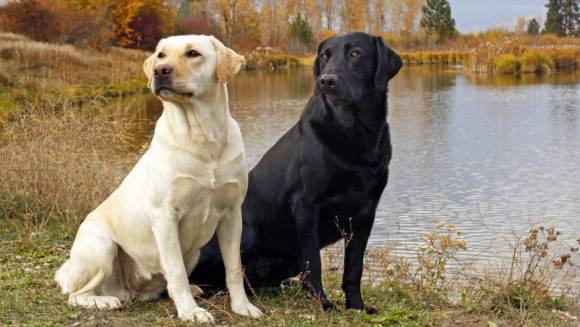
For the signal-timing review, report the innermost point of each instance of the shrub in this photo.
(47, 21)
(198, 24)
(534, 61)
(147, 31)
(508, 64)
(33, 19)
(300, 36)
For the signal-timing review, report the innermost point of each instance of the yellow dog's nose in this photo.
(162, 71)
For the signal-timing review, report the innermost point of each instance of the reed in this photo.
(515, 56)
(434, 57)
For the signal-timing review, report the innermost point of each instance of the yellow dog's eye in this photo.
(192, 54)
(161, 55)
(355, 54)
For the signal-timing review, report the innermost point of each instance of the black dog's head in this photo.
(349, 66)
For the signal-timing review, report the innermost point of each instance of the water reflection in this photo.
(489, 154)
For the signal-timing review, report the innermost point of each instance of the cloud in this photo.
(477, 15)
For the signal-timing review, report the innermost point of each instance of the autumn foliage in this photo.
(291, 26)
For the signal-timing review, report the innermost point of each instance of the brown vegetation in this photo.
(36, 72)
(62, 163)
(516, 55)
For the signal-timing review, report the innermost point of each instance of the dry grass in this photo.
(435, 57)
(62, 163)
(35, 72)
(515, 56)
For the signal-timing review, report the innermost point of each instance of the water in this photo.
(491, 155)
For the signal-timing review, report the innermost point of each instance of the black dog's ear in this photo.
(388, 63)
(316, 67)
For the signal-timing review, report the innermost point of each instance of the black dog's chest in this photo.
(349, 192)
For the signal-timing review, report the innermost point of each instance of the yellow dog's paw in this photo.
(99, 302)
(247, 309)
(198, 315)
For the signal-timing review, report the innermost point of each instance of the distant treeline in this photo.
(282, 26)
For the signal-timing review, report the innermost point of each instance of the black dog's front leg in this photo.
(353, 264)
(307, 225)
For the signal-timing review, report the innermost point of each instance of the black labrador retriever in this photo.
(321, 182)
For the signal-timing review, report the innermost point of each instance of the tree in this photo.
(570, 17)
(413, 8)
(377, 19)
(554, 19)
(437, 19)
(520, 26)
(327, 9)
(240, 22)
(353, 15)
(300, 35)
(533, 27)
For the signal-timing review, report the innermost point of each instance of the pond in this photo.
(492, 155)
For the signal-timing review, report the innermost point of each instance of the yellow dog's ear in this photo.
(148, 67)
(229, 62)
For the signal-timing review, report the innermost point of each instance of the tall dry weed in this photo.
(62, 163)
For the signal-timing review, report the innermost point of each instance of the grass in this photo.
(29, 256)
(534, 61)
(64, 162)
(37, 72)
(508, 64)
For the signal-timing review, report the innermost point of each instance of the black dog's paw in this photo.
(371, 310)
(364, 308)
(328, 306)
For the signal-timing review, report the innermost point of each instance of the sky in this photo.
(477, 15)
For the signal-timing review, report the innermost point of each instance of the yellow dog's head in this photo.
(187, 66)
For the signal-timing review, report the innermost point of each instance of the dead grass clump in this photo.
(541, 278)
(483, 58)
(62, 163)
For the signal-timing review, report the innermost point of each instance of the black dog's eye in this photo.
(355, 54)
(324, 57)
(161, 55)
(192, 54)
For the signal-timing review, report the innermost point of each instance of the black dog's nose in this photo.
(327, 81)
(162, 71)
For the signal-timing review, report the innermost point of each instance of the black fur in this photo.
(323, 179)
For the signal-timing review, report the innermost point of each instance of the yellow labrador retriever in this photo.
(145, 238)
